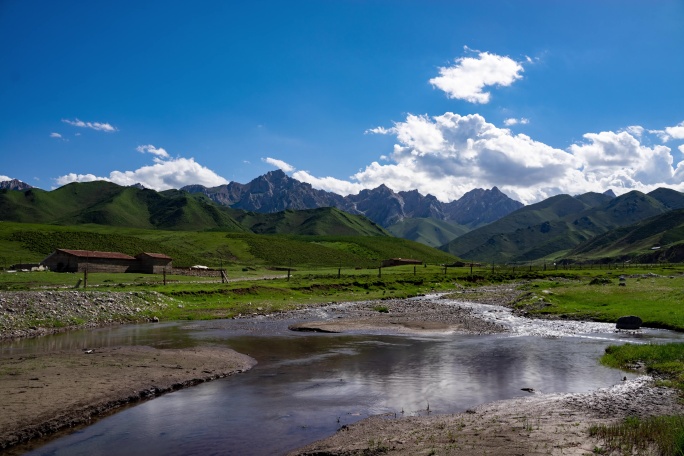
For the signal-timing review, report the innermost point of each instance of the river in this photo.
(308, 385)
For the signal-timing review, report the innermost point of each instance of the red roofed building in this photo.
(153, 263)
(66, 260)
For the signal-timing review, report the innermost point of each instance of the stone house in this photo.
(153, 263)
(67, 260)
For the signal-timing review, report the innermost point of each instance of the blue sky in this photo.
(534, 97)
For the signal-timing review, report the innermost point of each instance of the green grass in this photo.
(21, 242)
(662, 360)
(656, 300)
(665, 433)
(640, 435)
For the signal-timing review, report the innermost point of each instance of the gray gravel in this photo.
(36, 313)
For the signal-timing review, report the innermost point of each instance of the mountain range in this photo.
(106, 203)
(483, 225)
(14, 184)
(565, 226)
(275, 191)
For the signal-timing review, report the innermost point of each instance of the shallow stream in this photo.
(308, 385)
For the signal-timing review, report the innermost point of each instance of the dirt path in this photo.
(42, 394)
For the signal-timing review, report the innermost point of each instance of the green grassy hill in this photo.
(648, 240)
(105, 203)
(21, 242)
(325, 220)
(554, 227)
(428, 231)
(108, 204)
(497, 241)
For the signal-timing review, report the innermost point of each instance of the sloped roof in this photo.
(160, 256)
(97, 254)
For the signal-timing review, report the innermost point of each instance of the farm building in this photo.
(65, 260)
(153, 263)
(399, 262)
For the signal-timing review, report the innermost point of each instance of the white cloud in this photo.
(55, 135)
(92, 125)
(4, 178)
(379, 131)
(468, 77)
(635, 130)
(451, 154)
(279, 164)
(162, 175)
(681, 148)
(676, 132)
(513, 121)
(330, 184)
(73, 177)
(150, 149)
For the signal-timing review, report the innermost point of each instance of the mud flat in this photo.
(43, 394)
(538, 425)
(395, 316)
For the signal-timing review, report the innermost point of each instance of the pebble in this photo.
(35, 313)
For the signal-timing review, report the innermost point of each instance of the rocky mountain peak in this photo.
(276, 191)
(15, 184)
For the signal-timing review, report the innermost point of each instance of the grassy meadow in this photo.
(657, 299)
(30, 243)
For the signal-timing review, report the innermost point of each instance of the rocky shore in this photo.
(37, 313)
(393, 316)
(539, 425)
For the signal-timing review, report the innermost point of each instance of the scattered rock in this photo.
(629, 322)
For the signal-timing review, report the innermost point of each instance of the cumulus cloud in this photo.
(162, 175)
(468, 77)
(681, 148)
(451, 154)
(286, 167)
(99, 126)
(150, 149)
(4, 178)
(330, 184)
(676, 132)
(513, 121)
(55, 135)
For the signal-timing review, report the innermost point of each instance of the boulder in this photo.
(629, 322)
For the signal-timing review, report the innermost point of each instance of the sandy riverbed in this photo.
(45, 393)
(538, 425)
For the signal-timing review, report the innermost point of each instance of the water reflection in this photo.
(308, 385)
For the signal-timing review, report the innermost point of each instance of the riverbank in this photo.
(539, 425)
(41, 394)
(39, 313)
